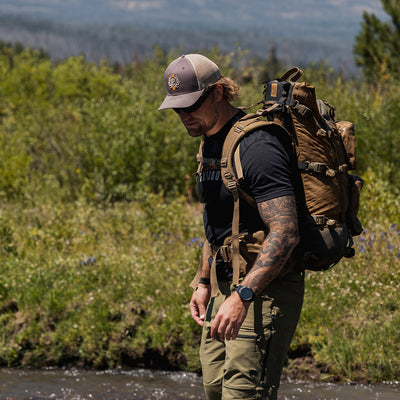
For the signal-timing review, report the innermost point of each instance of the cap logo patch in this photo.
(174, 82)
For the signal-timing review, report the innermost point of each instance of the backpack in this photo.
(328, 196)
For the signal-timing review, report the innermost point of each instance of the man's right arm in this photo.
(280, 217)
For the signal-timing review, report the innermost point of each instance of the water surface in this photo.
(140, 384)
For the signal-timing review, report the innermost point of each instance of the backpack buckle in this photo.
(318, 167)
(239, 128)
(225, 254)
(314, 166)
(232, 185)
(319, 219)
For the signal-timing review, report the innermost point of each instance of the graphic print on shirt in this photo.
(210, 171)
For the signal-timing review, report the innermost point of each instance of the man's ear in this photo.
(218, 92)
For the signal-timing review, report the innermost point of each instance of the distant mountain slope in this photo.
(303, 31)
(289, 14)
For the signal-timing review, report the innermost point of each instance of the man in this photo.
(247, 328)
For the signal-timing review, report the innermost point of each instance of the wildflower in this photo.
(193, 241)
(89, 260)
(371, 240)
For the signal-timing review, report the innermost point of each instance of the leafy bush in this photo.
(83, 129)
(88, 129)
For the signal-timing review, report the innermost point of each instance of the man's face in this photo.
(203, 119)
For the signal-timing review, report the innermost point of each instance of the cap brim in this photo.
(181, 100)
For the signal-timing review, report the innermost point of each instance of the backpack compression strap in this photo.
(232, 174)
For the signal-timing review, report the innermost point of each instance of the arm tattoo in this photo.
(280, 218)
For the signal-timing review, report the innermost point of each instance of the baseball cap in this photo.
(186, 78)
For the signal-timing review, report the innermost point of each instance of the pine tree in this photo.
(377, 46)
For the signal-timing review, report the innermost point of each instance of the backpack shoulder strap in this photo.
(232, 174)
(231, 166)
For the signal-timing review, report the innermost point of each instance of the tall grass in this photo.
(97, 286)
(351, 317)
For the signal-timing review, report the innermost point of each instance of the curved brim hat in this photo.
(186, 78)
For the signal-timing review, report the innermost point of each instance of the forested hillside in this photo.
(127, 43)
(124, 31)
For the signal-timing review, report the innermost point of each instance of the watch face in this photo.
(245, 293)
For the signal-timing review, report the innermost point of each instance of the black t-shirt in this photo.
(266, 168)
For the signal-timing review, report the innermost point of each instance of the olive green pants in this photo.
(250, 366)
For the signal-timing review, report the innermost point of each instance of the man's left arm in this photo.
(280, 217)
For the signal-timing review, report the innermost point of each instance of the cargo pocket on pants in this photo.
(242, 367)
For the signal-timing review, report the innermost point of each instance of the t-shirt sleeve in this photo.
(266, 167)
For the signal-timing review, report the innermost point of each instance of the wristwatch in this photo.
(245, 293)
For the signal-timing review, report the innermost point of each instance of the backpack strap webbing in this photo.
(232, 174)
(291, 75)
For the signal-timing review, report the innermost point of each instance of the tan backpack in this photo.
(325, 152)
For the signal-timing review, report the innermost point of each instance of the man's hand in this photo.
(229, 318)
(199, 301)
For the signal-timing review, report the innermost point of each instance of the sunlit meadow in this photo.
(100, 231)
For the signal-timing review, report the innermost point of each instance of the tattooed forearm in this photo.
(280, 217)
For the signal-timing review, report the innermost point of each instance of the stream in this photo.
(142, 384)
